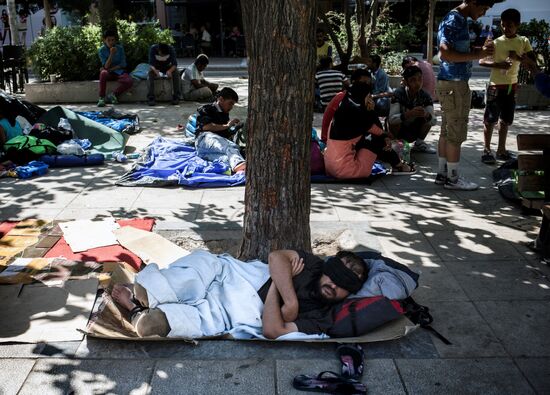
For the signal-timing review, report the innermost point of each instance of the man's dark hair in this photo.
(411, 71)
(489, 3)
(511, 15)
(229, 94)
(354, 262)
(357, 74)
(164, 48)
(202, 59)
(376, 59)
(324, 62)
(110, 33)
(407, 60)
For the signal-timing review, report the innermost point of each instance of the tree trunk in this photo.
(280, 112)
(47, 17)
(430, 44)
(362, 22)
(14, 22)
(373, 19)
(107, 15)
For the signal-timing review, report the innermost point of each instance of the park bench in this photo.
(534, 181)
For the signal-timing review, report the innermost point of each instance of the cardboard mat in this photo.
(41, 313)
(18, 236)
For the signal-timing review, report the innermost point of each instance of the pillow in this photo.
(356, 317)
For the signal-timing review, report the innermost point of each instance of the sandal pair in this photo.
(352, 358)
(329, 382)
(398, 170)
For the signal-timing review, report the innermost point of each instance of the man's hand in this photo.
(169, 74)
(387, 141)
(157, 73)
(112, 50)
(297, 264)
(530, 64)
(488, 49)
(369, 102)
(416, 112)
(234, 121)
(514, 56)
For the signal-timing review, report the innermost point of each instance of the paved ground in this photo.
(489, 295)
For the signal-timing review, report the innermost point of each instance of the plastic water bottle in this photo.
(120, 157)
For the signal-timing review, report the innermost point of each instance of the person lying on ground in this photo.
(412, 111)
(194, 86)
(113, 63)
(215, 130)
(354, 135)
(203, 294)
(163, 62)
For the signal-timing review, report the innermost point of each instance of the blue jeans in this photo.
(211, 146)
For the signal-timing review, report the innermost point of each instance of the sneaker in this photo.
(460, 184)
(111, 98)
(507, 155)
(101, 102)
(423, 147)
(151, 101)
(440, 179)
(488, 158)
(175, 101)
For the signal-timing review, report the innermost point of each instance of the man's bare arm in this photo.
(448, 54)
(280, 270)
(273, 324)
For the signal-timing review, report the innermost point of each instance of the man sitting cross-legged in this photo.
(204, 294)
(214, 131)
(412, 111)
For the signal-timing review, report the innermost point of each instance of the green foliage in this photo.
(71, 52)
(391, 62)
(395, 37)
(538, 33)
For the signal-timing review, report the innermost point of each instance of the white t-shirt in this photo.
(206, 36)
(190, 73)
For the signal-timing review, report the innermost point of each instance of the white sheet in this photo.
(83, 235)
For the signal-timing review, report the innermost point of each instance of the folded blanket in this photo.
(174, 162)
(121, 122)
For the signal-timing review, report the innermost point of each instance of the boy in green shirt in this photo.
(510, 50)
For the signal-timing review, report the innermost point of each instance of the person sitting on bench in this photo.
(163, 62)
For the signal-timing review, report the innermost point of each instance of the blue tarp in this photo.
(126, 125)
(173, 162)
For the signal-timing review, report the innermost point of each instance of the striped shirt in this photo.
(330, 82)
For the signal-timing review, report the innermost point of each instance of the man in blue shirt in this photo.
(113, 62)
(381, 87)
(453, 90)
(163, 62)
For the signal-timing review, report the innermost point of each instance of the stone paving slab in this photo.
(537, 372)
(62, 376)
(13, 372)
(462, 376)
(521, 326)
(255, 376)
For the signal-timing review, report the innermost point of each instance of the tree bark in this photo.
(47, 17)
(107, 15)
(282, 59)
(430, 44)
(362, 22)
(14, 22)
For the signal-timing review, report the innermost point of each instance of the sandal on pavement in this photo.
(328, 382)
(404, 169)
(488, 158)
(507, 155)
(353, 360)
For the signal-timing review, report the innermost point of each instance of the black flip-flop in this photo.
(329, 382)
(352, 358)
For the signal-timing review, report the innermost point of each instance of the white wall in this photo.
(537, 9)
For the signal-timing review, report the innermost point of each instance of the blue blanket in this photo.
(127, 123)
(173, 162)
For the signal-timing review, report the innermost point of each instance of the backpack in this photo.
(23, 149)
(51, 134)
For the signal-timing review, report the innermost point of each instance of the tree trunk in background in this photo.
(431, 16)
(14, 22)
(362, 22)
(281, 49)
(47, 17)
(107, 15)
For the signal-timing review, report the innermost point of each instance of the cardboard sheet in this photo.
(83, 235)
(37, 312)
(150, 247)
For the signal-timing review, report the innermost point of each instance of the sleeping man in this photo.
(203, 294)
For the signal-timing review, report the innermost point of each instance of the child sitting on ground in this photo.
(510, 49)
(212, 138)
